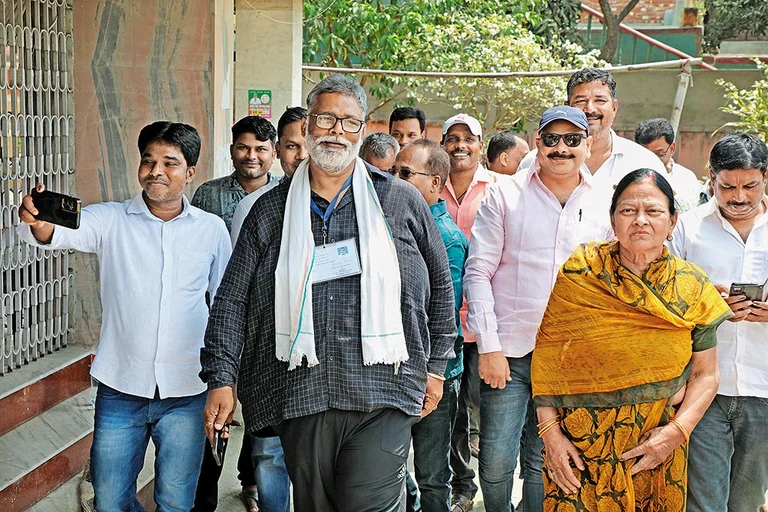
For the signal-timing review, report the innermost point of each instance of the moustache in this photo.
(729, 203)
(336, 140)
(556, 154)
(594, 116)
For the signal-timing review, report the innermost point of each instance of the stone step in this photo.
(67, 497)
(33, 389)
(45, 451)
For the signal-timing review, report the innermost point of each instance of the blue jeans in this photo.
(272, 480)
(432, 450)
(728, 457)
(463, 481)
(122, 427)
(503, 414)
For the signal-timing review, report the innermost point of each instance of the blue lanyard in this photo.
(331, 206)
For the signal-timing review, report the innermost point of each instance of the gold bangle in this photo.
(549, 427)
(548, 421)
(682, 429)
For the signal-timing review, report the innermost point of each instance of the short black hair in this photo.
(403, 113)
(589, 75)
(291, 115)
(738, 151)
(378, 144)
(641, 175)
(652, 129)
(500, 142)
(438, 162)
(181, 135)
(258, 126)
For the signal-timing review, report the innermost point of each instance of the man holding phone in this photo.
(158, 256)
(728, 238)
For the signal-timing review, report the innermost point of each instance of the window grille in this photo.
(36, 146)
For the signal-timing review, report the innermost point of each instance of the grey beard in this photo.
(332, 161)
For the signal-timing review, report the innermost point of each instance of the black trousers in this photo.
(207, 494)
(348, 461)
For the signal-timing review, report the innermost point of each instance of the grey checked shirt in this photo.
(243, 316)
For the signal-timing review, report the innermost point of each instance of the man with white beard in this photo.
(339, 297)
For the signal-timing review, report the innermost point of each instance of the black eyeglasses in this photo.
(662, 154)
(328, 121)
(572, 140)
(406, 173)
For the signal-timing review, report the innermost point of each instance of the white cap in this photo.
(471, 122)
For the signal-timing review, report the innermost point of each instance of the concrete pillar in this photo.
(268, 46)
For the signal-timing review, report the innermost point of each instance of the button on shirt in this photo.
(154, 276)
(705, 238)
(521, 237)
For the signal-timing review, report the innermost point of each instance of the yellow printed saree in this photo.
(612, 349)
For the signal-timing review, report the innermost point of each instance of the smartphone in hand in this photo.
(219, 447)
(59, 209)
(753, 292)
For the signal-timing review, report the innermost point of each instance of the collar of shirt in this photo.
(138, 206)
(482, 175)
(439, 209)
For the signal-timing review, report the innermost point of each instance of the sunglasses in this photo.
(572, 140)
(406, 173)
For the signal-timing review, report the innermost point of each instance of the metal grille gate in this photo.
(36, 120)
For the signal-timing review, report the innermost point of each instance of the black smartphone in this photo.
(749, 290)
(219, 446)
(56, 208)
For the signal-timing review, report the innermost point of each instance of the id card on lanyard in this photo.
(338, 259)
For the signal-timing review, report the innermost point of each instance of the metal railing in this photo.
(636, 37)
(36, 123)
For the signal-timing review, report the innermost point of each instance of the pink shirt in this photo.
(464, 216)
(520, 238)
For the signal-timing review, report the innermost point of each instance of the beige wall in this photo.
(268, 44)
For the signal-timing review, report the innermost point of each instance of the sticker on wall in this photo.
(260, 103)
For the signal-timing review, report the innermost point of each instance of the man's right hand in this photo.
(218, 411)
(493, 368)
(42, 230)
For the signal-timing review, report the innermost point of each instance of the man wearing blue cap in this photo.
(525, 229)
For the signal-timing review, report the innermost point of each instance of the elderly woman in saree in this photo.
(625, 365)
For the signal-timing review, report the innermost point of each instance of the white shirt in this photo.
(244, 208)
(626, 156)
(705, 238)
(686, 186)
(520, 238)
(154, 276)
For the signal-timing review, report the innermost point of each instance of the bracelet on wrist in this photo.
(436, 376)
(682, 429)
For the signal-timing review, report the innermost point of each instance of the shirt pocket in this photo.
(192, 269)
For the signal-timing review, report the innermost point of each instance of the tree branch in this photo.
(605, 6)
(627, 9)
